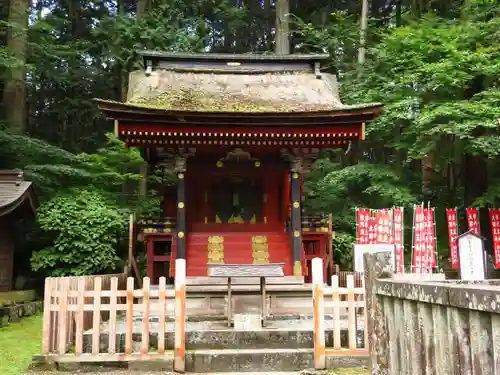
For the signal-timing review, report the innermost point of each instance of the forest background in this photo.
(434, 63)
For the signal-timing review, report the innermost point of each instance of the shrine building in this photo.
(240, 132)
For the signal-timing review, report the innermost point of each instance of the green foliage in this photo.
(438, 75)
(439, 79)
(342, 189)
(167, 27)
(85, 226)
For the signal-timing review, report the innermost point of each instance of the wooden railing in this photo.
(343, 276)
(73, 305)
(316, 223)
(356, 311)
(156, 225)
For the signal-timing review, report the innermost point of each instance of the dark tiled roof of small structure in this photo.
(14, 191)
(257, 84)
(229, 56)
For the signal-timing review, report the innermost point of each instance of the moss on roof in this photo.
(190, 100)
(196, 101)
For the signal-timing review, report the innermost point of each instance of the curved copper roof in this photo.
(14, 191)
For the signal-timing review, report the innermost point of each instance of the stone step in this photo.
(264, 339)
(230, 339)
(248, 360)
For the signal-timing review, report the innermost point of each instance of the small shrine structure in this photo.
(240, 132)
(17, 201)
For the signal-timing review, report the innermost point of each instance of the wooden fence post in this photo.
(318, 314)
(47, 328)
(180, 315)
(376, 265)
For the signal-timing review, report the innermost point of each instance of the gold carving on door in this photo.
(260, 250)
(215, 250)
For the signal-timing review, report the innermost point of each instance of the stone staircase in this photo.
(211, 347)
(246, 351)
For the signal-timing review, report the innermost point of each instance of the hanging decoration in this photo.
(418, 239)
(429, 240)
(451, 220)
(473, 219)
(372, 230)
(384, 226)
(398, 238)
(362, 222)
(495, 233)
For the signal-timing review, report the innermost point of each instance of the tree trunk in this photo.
(428, 167)
(142, 8)
(282, 38)
(398, 13)
(362, 33)
(14, 95)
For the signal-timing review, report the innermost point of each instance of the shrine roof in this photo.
(232, 83)
(14, 191)
(179, 56)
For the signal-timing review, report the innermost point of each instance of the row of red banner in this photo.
(472, 216)
(385, 226)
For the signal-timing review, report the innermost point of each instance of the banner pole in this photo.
(357, 224)
(412, 266)
(403, 237)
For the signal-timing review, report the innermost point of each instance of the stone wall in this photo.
(434, 327)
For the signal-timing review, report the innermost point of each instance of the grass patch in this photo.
(350, 371)
(19, 342)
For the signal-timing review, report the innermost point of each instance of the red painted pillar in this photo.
(150, 257)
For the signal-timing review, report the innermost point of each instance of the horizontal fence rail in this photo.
(348, 298)
(110, 319)
(93, 319)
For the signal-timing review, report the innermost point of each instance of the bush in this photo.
(85, 227)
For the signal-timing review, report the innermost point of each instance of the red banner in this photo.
(418, 239)
(372, 230)
(473, 219)
(362, 218)
(398, 238)
(451, 220)
(384, 227)
(429, 240)
(495, 233)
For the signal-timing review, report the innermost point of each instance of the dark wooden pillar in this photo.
(286, 197)
(180, 169)
(296, 222)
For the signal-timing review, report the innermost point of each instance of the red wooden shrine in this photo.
(239, 132)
